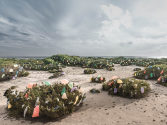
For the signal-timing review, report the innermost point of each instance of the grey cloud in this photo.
(46, 27)
(3, 36)
(126, 44)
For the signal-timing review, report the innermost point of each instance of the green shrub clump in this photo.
(126, 63)
(12, 71)
(84, 62)
(129, 87)
(45, 100)
(162, 80)
(37, 64)
(136, 69)
(151, 72)
(56, 75)
(98, 79)
(89, 71)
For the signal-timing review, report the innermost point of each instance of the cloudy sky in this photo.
(83, 27)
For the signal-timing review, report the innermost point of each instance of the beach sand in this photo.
(98, 109)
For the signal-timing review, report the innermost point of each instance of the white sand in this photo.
(98, 109)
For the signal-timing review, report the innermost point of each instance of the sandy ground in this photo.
(98, 109)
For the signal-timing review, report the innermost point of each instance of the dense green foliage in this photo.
(162, 80)
(151, 72)
(128, 87)
(37, 64)
(85, 62)
(11, 71)
(48, 100)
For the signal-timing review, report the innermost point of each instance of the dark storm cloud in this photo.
(3, 36)
(81, 27)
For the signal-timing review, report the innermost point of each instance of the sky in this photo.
(83, 27)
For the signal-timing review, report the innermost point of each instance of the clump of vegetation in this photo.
(37, 64)
(85, 62)
(151, 72)
(126, 63)
(162, 80)
(11, 71)
(45, 100)
(89, 71)
(145, 62)
(110, 68)
(98, 79)
(56, 75)
(55, 70)
(129, 87)
(136, 69)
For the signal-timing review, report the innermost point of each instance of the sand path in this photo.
(98, 109)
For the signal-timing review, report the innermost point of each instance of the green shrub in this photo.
(53, 101)
(126, 63)
(8, 72)
(89, 71)
(98, 79)
(162, 80)
(84, 62)
(37, 64)
(136, 69)
(55, 70)
(151, 72)
(110, 68)
(130, 88)
(56, 75)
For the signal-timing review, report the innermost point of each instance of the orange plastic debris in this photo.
(36, 112)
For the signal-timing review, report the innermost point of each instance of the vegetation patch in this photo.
(129, 87)
(45, 100)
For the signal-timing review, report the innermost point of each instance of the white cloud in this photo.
(5, 21)
(144, 27)
(150, 9)
(117, 15)
(111, 11)
(115, 25)
(153, 14)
